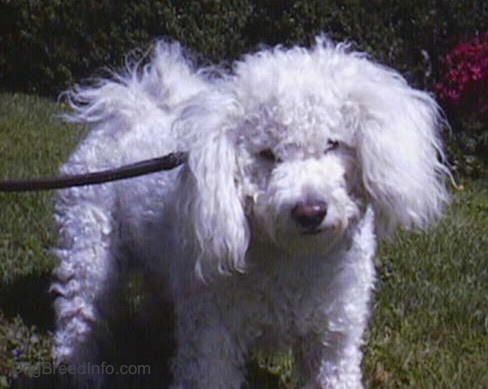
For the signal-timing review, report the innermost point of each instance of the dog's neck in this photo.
(265, 252)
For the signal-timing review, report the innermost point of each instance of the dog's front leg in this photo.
(329, 361)
(209, 353)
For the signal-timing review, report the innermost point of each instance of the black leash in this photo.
(155, 165)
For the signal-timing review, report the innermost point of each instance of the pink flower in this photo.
(464, 84)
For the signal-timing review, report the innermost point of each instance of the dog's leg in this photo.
(210, 354)
(332, 358)
(87, 280)
(330, 363)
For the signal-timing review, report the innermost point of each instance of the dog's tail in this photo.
(167, 80)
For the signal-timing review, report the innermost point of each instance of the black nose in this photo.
(309, 214)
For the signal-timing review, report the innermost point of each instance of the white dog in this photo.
(298, 159)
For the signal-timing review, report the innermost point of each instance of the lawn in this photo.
(430, 322)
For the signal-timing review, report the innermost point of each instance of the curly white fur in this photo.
(298, 159)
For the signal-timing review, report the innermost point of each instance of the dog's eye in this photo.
(332, 145)
(268, 155)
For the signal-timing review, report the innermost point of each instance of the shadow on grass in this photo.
(29, 298)
(146, 347)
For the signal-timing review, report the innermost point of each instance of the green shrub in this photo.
(49, 44)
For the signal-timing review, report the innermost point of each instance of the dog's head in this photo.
(295, 146)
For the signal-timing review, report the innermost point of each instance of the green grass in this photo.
(430, 322)
(430, 328)
(33, 142)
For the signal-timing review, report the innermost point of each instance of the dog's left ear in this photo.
(400, 151)
(214, 211)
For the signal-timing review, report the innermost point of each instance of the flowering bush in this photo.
(465, 81)
(463, 90)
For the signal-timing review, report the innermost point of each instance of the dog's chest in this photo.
(277, 304)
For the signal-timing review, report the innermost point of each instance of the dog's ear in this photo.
(400, 151)
(215, 214)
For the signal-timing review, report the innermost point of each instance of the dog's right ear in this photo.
(212, 207)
